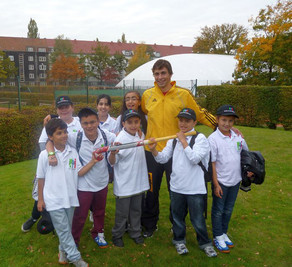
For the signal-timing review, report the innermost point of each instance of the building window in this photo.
(31, 83)
(43, 83)
(29, 49)
(156, 54)
(31, 67)
(12, 83)
(43, 75)
(51, 49)
(11, 58)
(127, 53)
(42, 59)
(31, 75)
(42, 49)
(30, 58)
(42, 67)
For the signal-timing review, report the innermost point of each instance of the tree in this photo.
(32, 29)
(99, 61)
(7, 67)
(141, 56)
(62, 46)
(119, 64)
(267, 57)
(219, 39)
(123, 39)
(66, 69)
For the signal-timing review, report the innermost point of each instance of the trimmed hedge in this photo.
(257, 106)
(20, 131)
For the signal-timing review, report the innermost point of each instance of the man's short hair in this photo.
(161, 63)
(55, 124)
(85, 112)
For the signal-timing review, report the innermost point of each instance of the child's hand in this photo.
(114, 152)
(53, 160)
(182, 138)
(250, 175)
(218, 191)
(41, 205)
(97, 157)
(153, 144)
(47, 119)
(140, 133)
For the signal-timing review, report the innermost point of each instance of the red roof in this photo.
(21, 44)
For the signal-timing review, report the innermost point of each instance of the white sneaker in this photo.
(228, 242)
(80, 263)
(220, 244)
(181, 248)
(210, 251)
(62, 257)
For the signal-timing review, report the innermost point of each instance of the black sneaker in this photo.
(139, 240)
(118, 242)
(28, 224)
(149, 233)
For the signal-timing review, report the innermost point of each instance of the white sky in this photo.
(175, 22)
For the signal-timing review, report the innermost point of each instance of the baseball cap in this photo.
(45, 225)
(187, 113)
(63, 101)
(227, 110)
(130, 113)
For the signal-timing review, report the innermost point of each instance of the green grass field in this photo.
(260, 226)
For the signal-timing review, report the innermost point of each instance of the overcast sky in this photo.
(175, 22)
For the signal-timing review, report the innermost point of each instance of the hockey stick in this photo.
(136, 144)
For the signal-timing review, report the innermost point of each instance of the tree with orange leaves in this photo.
(267, 57)
(66, 69)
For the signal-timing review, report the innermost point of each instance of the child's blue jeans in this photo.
(222, 208)
(180, 203)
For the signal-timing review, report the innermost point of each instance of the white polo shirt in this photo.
(110, 124)
(73, 127)
(130, 168)
(225, 151)
(60, 189)
(187, 176)
(97, 177)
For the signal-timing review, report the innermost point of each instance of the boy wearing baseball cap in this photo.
(187, 183)
(130, 180)
(226, 147)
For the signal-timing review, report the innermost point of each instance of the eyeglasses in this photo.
(133, 98)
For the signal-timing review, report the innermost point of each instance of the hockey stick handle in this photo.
(137, 144)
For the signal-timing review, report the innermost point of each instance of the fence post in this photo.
(87, 89)
(133, 83)
(124, 87)
(19, 97)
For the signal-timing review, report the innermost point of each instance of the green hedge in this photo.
(20, 131)
(257, 106)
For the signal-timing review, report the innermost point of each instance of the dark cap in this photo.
(45, 225)
(226, 110)
(187, 113)
(130, 113)
(63, 101)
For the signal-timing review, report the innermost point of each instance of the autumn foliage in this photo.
(266, 58)
(66, 69)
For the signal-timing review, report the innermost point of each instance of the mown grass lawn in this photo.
(260, 226)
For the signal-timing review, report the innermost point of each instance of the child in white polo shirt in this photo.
(187, 183)
(94, 177)
(226, 147)
(131, 180)
(57, 190)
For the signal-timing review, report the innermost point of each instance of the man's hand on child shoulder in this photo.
(237, 132)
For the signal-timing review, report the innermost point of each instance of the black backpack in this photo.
(207, 173)
(252, 161)
(78, 145)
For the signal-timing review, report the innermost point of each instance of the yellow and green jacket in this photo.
(161, 111)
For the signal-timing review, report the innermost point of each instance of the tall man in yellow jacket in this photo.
(161, 104)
